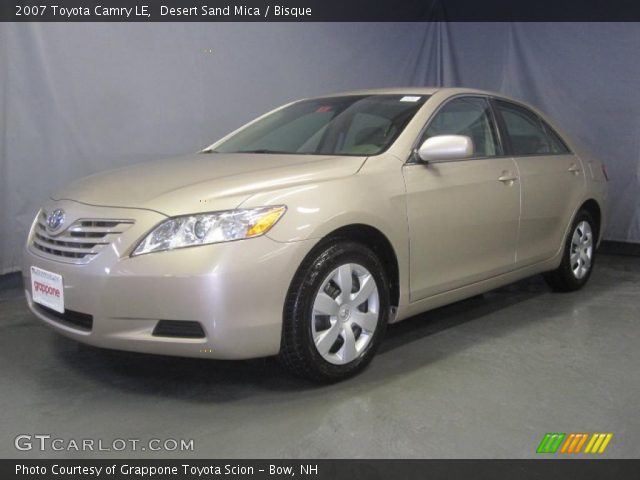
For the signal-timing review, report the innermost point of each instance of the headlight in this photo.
(206, 228)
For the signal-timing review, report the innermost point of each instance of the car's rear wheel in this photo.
(335, 313)
(579, 256)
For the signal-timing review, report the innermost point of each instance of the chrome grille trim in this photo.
(78, 243)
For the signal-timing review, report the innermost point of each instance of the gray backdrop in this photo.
(78, 98)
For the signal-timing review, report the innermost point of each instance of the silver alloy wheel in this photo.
(581, 250)
(345, 314)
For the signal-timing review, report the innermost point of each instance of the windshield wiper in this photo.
(262, 150)
(209, 150)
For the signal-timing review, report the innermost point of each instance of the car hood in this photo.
(204, 182)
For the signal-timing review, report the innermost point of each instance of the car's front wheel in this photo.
(335, 313)
(579, 255)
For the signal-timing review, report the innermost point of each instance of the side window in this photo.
(557, 144)
(527, 133)
(470, 116)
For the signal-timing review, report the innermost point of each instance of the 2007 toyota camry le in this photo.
(307, 231)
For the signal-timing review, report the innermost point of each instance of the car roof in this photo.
(413, 90)
(388, 91)
(447, 91)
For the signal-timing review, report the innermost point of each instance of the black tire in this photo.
(563, 279)
(298, 351)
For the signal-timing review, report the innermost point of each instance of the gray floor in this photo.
(483, 378)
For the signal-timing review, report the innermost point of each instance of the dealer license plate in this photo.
(47, 289)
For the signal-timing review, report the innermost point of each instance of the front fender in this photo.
(375, 196)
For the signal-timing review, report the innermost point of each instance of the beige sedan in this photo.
(307, 231)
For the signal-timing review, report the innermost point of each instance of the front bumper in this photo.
(235, 290)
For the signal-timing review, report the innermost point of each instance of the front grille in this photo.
(178, 328)
(70, 318)
(80, 242)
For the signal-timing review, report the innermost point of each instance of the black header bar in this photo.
(319, 10)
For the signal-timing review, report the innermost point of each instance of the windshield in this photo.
(349, 125)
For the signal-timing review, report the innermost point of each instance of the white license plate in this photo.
(47, 289)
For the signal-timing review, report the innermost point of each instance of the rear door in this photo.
(551, 176)
(462, 214)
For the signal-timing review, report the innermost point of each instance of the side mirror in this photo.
(445, 147)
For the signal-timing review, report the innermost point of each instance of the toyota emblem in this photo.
(55, 219)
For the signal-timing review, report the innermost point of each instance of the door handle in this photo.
(574, 169)
(507, 177)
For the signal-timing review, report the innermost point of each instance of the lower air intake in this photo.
(178, 329)
(78, 320)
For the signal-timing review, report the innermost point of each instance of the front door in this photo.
(463, 214)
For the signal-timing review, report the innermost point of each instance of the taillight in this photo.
(605, 173)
